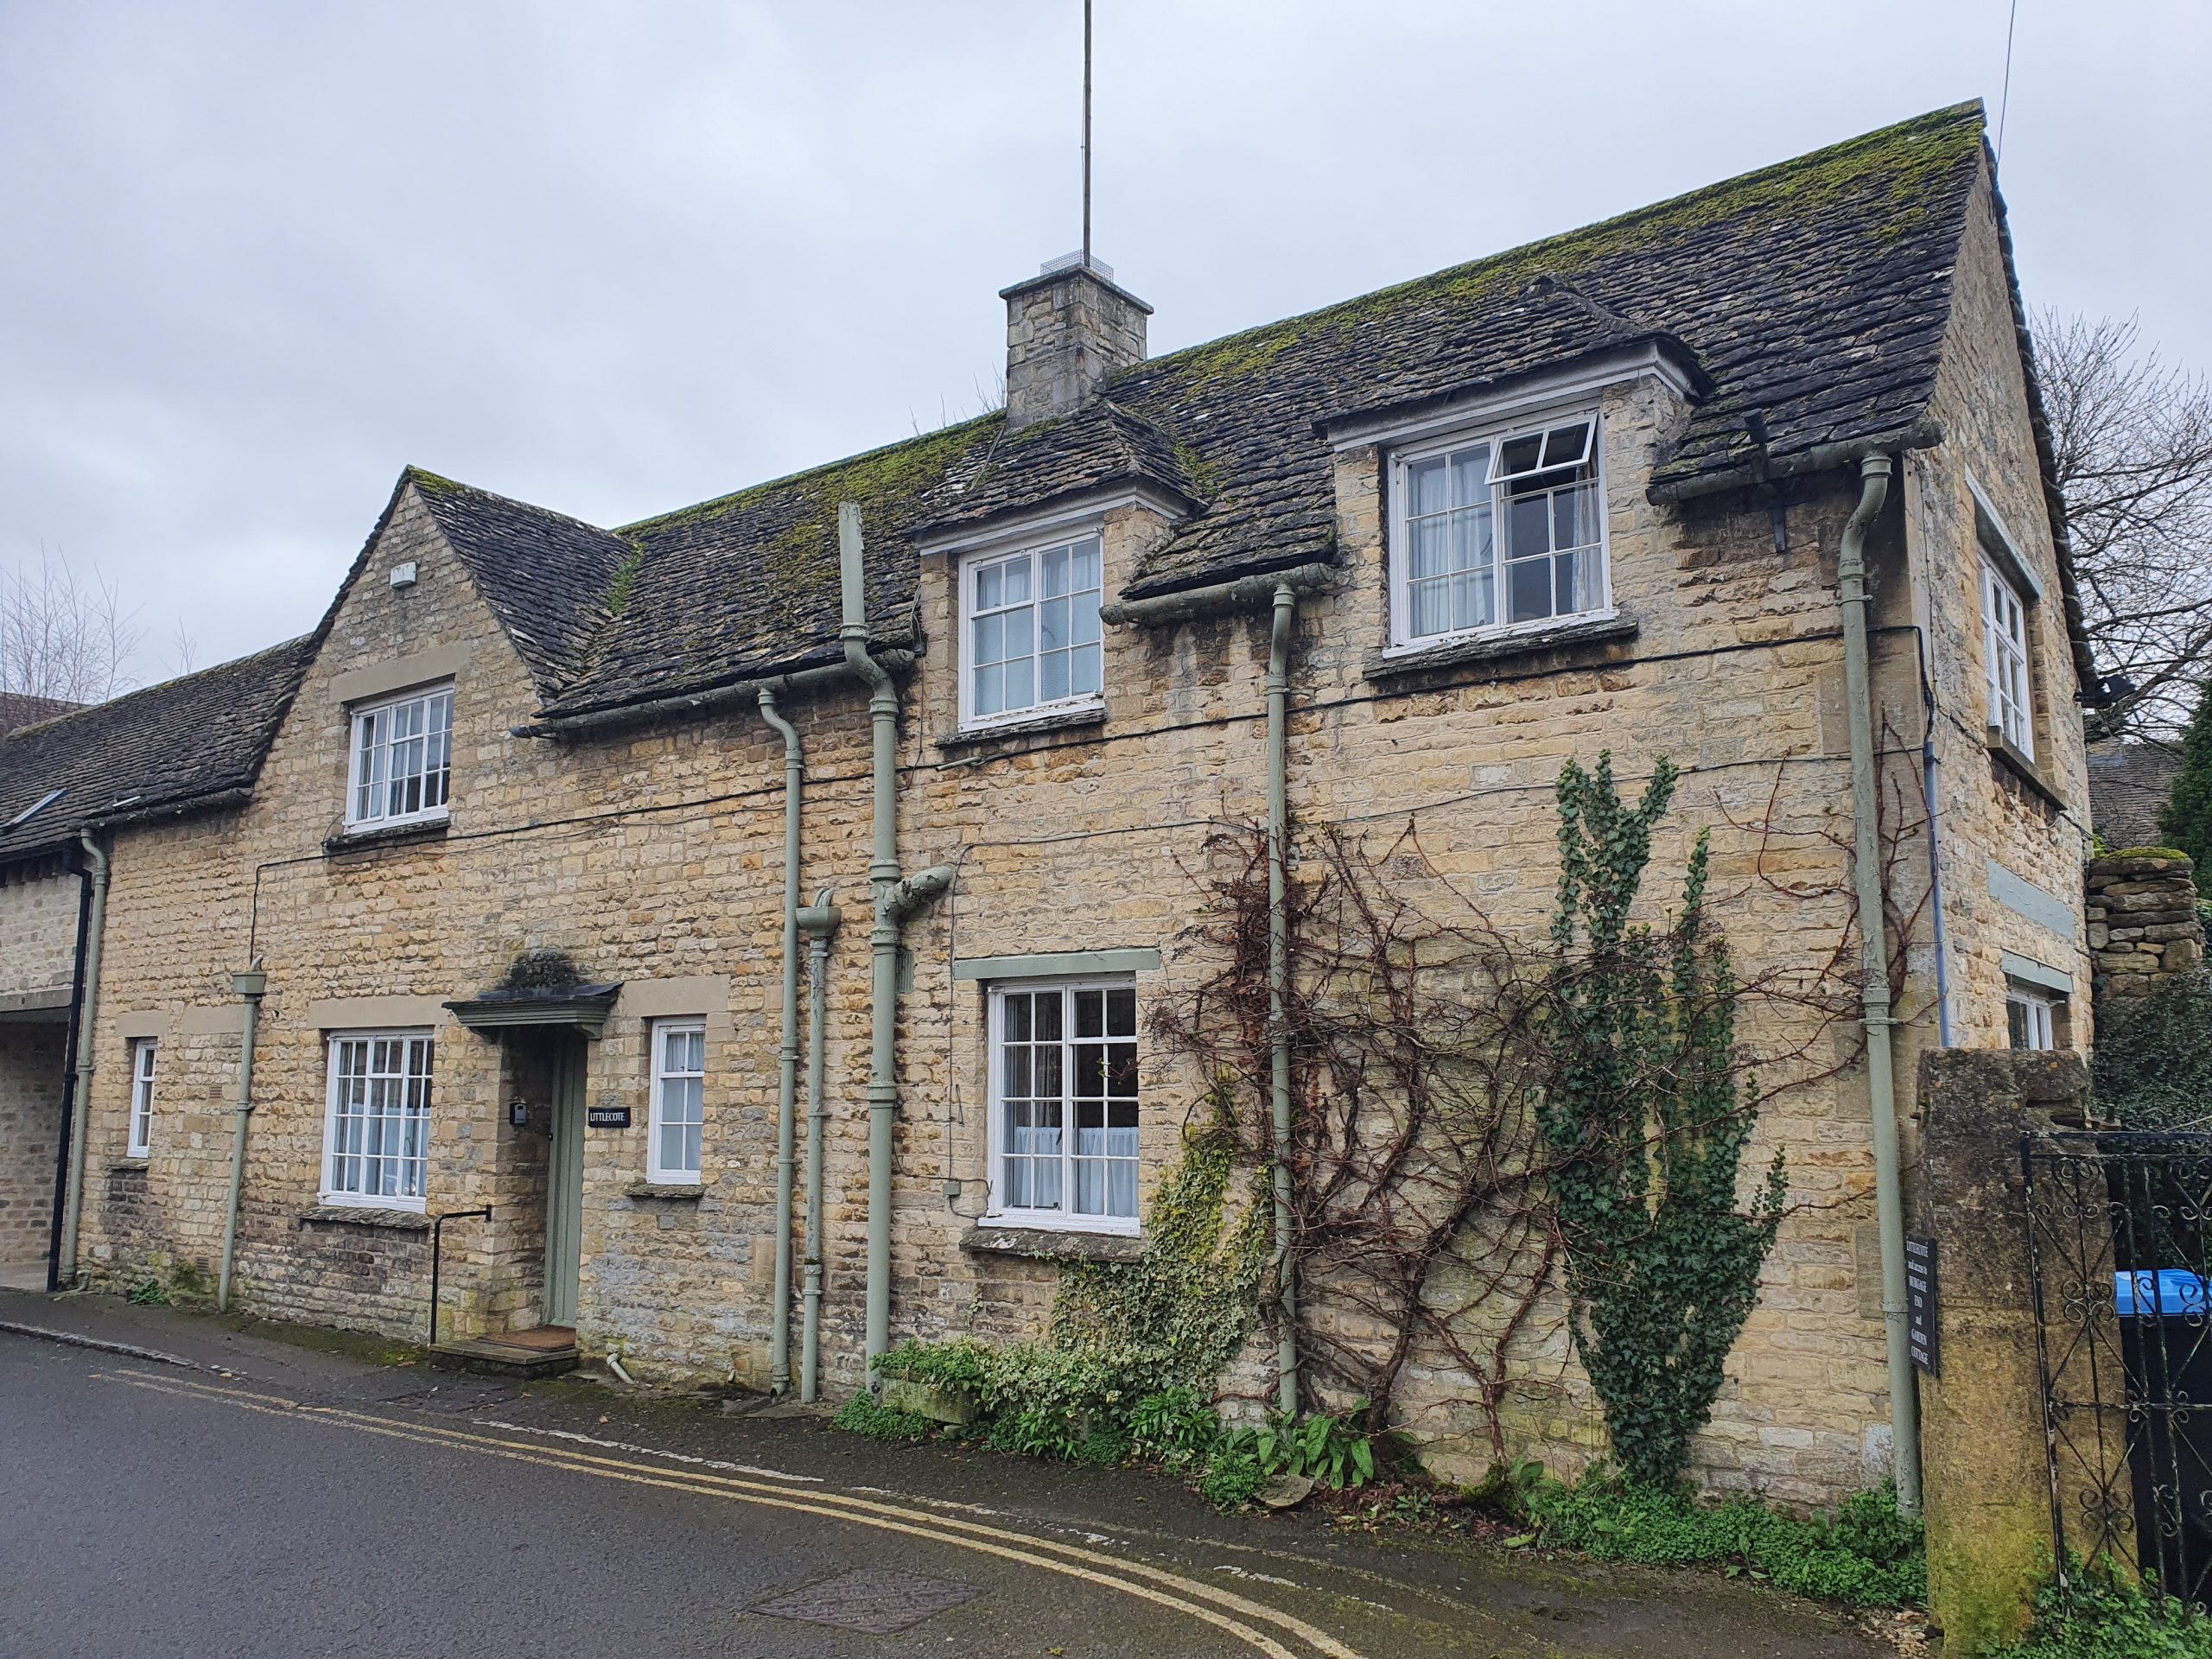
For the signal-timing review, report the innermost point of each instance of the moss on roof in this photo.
(1814, 292)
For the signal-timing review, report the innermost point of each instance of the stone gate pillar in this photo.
(1985, 1479)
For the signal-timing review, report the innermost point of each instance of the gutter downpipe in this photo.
(251, 986)
(65, 1258)
(818, 920)
(1286, 612)
(779, 1345)
(68, 1085)
(894, 899)
(1881, 1081)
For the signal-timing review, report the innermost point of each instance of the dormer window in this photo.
(402, 759)
(1501, 530)
(1031, 623)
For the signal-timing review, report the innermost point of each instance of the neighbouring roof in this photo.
(1813, 295)
(2130, 783)
(22, 708)
(170, 748)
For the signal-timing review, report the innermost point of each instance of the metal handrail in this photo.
(437, 1247)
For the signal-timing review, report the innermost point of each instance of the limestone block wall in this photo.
(2143, 925)
(2013, 839)
(653, 855)
(31, 1058)
(39, 902)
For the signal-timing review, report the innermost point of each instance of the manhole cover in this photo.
(871, 1600)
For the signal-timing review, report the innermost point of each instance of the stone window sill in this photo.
(347, 840)
(2005, 755)
(1498, 648)
(667, 1189)
(344, 1215)
(1042, 1244)
(1061, 720)
(130, 1167)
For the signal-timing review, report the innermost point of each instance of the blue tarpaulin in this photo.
(2171, 1292)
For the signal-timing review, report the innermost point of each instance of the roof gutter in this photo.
(1245, 593)
(893, 660)
(1924, 434)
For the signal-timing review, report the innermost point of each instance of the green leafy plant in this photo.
(2185, 823)
(2101, 1614)
(861, 1416)
(1174, 1428)
(1326, 1449)
(2153, 1065)
(1233, 1475)
(1648, 1117)
(1868, 1553)
(1127, 1367)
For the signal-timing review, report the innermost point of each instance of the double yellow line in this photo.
(1236, 1616)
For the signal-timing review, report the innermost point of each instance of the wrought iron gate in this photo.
(2120, 1244)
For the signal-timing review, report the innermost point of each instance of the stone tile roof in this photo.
(1806, 300)
(167, 749)
(2129, 785)
(549, 579)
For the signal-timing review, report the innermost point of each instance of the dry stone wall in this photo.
(2143, 924)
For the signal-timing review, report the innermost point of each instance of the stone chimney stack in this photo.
(1067, 328)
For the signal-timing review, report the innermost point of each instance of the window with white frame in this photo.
(2004, 646)
(679, 1102)
(140, 1137)
(376, 1134)
(2029, 1017)
(1498, 532)
(402, 758)
(1031, 621)
(1064, 1104)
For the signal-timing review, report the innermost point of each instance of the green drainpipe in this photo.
(72, 1205)
(1286, 613)
(818, 921)
(894, 901)
(250, 987)
(780, 1343)
(1881, 1079)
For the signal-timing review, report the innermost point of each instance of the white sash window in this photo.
(140, 1139)
(377, 1130)
(402, 759)
(679, 1110)
(2004, 644)
(1030, 620)
(1065, 1109)
(1498, 533)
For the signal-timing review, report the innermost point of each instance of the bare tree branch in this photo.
(63, 635)
(2131, 436)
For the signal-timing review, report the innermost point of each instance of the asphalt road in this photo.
(261, 1503)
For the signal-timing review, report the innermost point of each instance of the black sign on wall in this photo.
(1923, 1306)
(607, 1117)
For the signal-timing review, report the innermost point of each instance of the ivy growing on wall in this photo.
(1471, 1111)
(1648, 1113)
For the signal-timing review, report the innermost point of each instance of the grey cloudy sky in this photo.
(615, 258)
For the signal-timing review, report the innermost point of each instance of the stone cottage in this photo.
(510, 893)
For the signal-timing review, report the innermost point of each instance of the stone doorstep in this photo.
(548, 1351)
